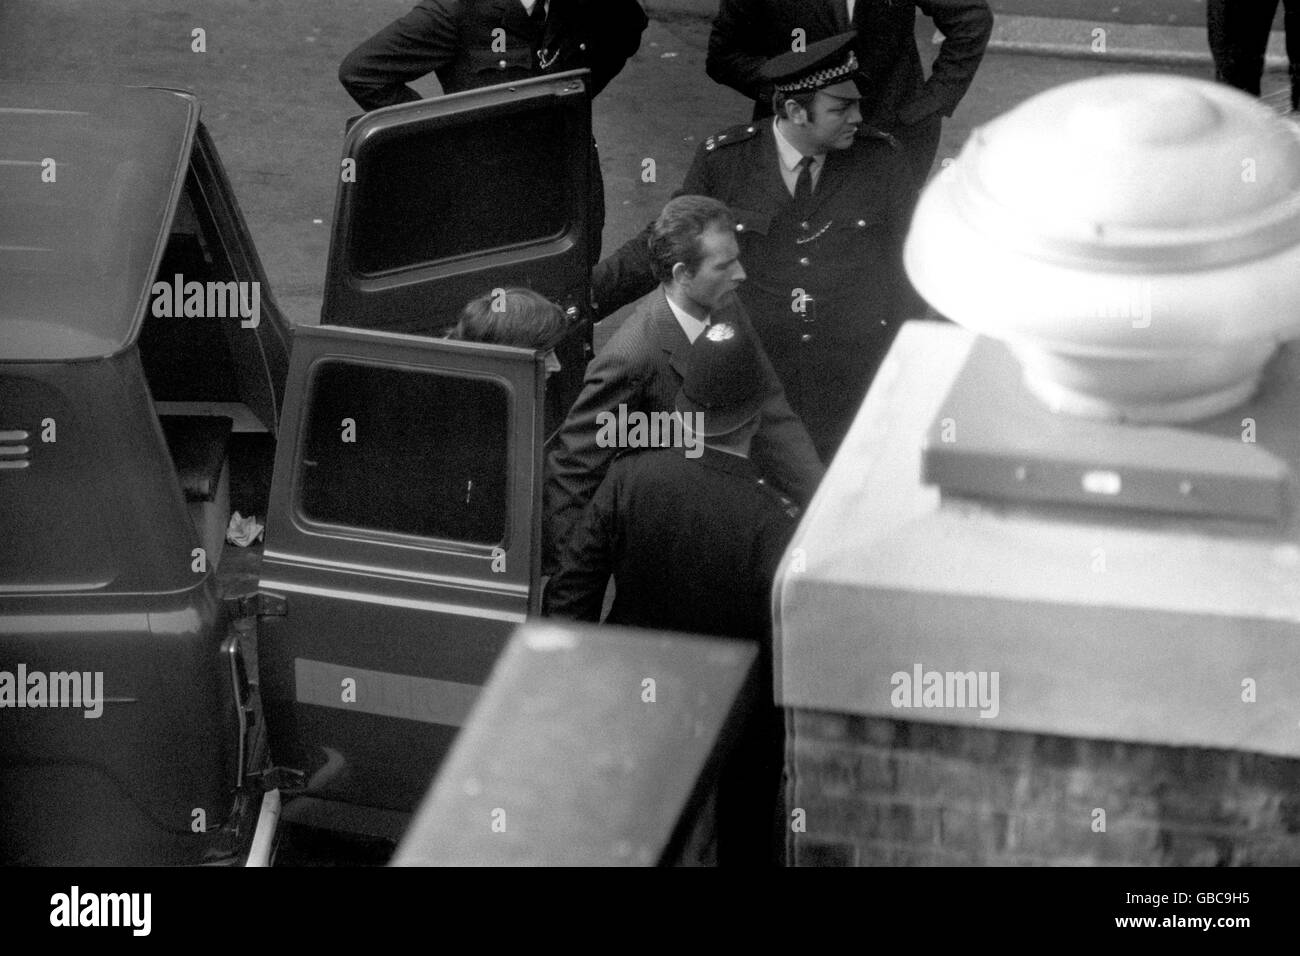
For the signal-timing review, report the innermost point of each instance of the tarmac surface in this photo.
(272, 101)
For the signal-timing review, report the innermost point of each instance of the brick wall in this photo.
(879, 792)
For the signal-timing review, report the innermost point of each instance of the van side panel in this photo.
(99, 582)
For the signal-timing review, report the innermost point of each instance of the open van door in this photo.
(443, 200)
(402, 546)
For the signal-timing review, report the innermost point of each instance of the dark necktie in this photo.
(538, 16)
(803, 186)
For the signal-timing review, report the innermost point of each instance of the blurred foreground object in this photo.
(596, 747)
(1074, 522)
(1134, 239)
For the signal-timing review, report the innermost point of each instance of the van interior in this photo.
(442, 474)
(222, 452)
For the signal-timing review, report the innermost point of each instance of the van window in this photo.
(407, 451)
(422, 201)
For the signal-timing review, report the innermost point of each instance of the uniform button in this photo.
(803, 225)
(740, 227)
(582, 46)
(749, 129)
(502, 64)
(862, 223)
(805, 337)
(803, 261)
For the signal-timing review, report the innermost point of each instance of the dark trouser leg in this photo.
(1238, 35)
(750, 797)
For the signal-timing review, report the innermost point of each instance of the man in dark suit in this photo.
(692, 252)
(898, 99)
(822, 207)
(474, 43)
(693, 544)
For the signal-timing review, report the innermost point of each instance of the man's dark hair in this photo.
(675, 236)
(519, 317)
(805, 100)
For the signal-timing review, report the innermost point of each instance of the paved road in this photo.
(276, 110)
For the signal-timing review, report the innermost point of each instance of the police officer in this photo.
(899, 99)
(693, 544)
(821, 205)
(474, 43)
(691, 535)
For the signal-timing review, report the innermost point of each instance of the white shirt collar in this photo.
(689, 323)
(789, 155)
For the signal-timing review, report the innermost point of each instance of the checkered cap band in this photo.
(815, 81)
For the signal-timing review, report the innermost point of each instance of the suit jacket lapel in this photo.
(667, 332)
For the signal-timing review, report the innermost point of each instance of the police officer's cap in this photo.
(819, 65)
(723, 379)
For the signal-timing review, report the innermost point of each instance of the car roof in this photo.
(81, 238)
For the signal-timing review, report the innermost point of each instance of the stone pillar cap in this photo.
(1134, 235)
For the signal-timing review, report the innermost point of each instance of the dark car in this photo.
(149, 387)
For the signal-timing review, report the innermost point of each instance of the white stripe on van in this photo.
(382, 693)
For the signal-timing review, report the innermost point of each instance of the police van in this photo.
(166, 694)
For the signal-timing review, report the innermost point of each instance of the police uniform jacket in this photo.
(693, 545)
(456, 39)
(641, 368)
(825, 286)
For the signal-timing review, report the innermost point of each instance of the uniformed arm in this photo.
(737, 50)
(624, 276)
(616, 28)
(784, 452)
(577, 464)
(966, 26)
(903, 301)
(577, 589)
(782, 449)
(375, 74)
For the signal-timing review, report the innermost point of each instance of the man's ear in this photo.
(681, 273)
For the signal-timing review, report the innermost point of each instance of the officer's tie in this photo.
(803, 186)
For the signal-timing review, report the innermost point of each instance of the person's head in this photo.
(693, 251)
(723, 387)
(514, 316)
(817, 98)
(822, 121)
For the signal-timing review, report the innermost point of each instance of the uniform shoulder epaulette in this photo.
(731, 136)
(870, 132)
